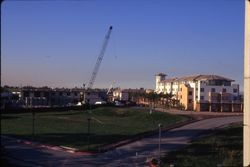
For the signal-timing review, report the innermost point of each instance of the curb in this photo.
(191, 119)
(144, 135)
(47, 146)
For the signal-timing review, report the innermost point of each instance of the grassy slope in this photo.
(70, 128)
(222, 148)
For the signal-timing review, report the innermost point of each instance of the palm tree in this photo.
(168, 99)
(153, 98)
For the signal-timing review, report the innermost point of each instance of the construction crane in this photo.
(99, 59)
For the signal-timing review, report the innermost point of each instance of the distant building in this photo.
(91, 97)
(134, 94)
(48, 97)
(149, 91)
(202, 92)
(122, 95)
(10, 98)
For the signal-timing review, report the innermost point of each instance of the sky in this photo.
(56, 43)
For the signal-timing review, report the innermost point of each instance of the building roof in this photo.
(171, 80)
(198, 78)
(161, 74)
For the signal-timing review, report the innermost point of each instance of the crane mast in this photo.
(110, 87)
(99, 59)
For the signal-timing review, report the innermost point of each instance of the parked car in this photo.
(119, 104)
(100, 102)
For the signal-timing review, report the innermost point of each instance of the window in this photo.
(46, 94)
(37, 94)
(212, 89)
(224, 90)
(190, 93)
(202, 89)
(189, 100)
(26, 94)
(235, 90)
(202, 97)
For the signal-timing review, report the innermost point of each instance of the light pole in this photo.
(33, 119)
(83, 94)
(33, 123)
(159, 148)
(89, 119)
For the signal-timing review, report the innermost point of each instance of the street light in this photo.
(33, 123)
(83, 99)
(33, 118)
(89, 119)
(159, 149)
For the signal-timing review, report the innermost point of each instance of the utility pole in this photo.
(246, 142)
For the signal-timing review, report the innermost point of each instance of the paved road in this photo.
(133, 154)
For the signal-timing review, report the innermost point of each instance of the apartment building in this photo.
(202, 92)
(48, 97)
(93, 96)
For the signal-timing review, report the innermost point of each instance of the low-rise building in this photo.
(121, 95)
(48, 97)
(202, 92)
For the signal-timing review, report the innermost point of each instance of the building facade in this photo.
(48, 97)
(121, 95)
(202, 92)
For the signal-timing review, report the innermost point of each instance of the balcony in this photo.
(220, 97)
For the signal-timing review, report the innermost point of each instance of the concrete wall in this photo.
(246, 146)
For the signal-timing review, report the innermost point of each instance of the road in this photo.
(133, 154)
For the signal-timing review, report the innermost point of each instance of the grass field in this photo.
(224, 148)
(69, 128)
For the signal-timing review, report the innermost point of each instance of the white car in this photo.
(117, 103)
(80, 103)
(100, 102)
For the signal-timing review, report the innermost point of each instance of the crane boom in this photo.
(110, 87)
(99, 59)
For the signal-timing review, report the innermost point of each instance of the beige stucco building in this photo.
(202, 92)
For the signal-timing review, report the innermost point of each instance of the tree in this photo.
(168, 99)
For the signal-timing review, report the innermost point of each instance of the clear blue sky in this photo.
(56, 43)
